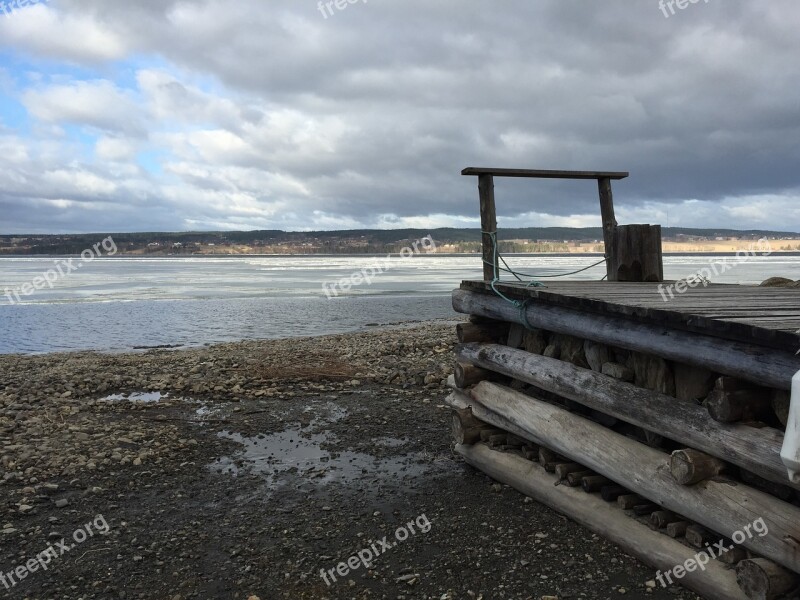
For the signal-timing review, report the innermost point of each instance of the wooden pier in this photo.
(666, 404)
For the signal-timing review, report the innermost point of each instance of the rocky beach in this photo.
(244, 470)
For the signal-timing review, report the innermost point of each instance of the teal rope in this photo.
(496, 268)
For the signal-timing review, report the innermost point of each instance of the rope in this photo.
(496, 268)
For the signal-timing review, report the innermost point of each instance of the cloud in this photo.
(265, 114)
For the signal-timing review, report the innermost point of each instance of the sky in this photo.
(165, 115)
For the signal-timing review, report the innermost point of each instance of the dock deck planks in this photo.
(756, 315)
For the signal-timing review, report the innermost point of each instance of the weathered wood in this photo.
(610, 493)
(734, 556)
(628, 501)
(690, 466)
(698, 536)
(549, 459)
(636, 254)
(739, 405)
(659, 551)
(644, 510)
(594, 483)
(609, 222)
(545, 174)
(757, 450)
(494, 331)
(466, 375)
(773, 368)
(466, 429)
(576, 479)
(564, 469)
(676, 529)
(661, 518)
(716, 505)
(491, 267)
(761, 579)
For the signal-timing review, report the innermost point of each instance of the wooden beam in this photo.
(491, 267)
(656, 549)
(546, 174)
(721, 507)
(757, 450)
(609, 222)
(764, 366)
(761, 579)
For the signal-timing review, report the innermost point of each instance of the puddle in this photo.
(146, 397)
(296, 456)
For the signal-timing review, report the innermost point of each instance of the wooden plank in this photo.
(546, 174)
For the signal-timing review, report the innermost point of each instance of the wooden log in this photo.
(677, 529)
(487, 433)
(628, 501)
(466, 375)
(498, 439)
(636, 254)
(643, 510)
(494, 331)
(565, 469)
(779, 491)
(698, 536)
(491, 267)
(659, 551)
(761, 579)
(576, 479)
(610, 493)
(690, 466)
(734, 556)
(741, 405)
(645, 471)
(764, 366)
(516, 335)
(549, 459)
(594, 483)
(661, 518)
(466, 428)
(683, 421)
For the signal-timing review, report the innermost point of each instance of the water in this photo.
(125, 303)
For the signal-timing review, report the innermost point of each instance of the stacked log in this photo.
(708, 460)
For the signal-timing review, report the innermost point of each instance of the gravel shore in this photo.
(243, 470)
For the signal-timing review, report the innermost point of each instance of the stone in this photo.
(776, 282)
(570, 349)
(62, 502)
(596, 355)
(617, 371)
(552, 351)
(535, 340)
(691, 382)
(653, 373)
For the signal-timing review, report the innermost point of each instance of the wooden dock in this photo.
(666, 402)
(768, 316)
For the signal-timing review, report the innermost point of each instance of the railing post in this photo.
(609, 222)
(488, 227)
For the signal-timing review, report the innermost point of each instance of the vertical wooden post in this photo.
(636, 254)
(609, 221)
(488, 225)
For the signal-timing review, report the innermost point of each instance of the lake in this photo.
(123, 303)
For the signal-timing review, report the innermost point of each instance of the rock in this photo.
(617, 371)
(653, 373)
(534, 340)
(692, 383)
(62, 503)
(596, 355)
(552, 351)
(776, 282)
(570, 349)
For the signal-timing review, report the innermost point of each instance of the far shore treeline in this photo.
(376, 241)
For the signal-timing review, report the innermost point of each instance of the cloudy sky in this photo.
(170, 115)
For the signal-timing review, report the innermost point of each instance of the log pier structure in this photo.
(662, 415)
